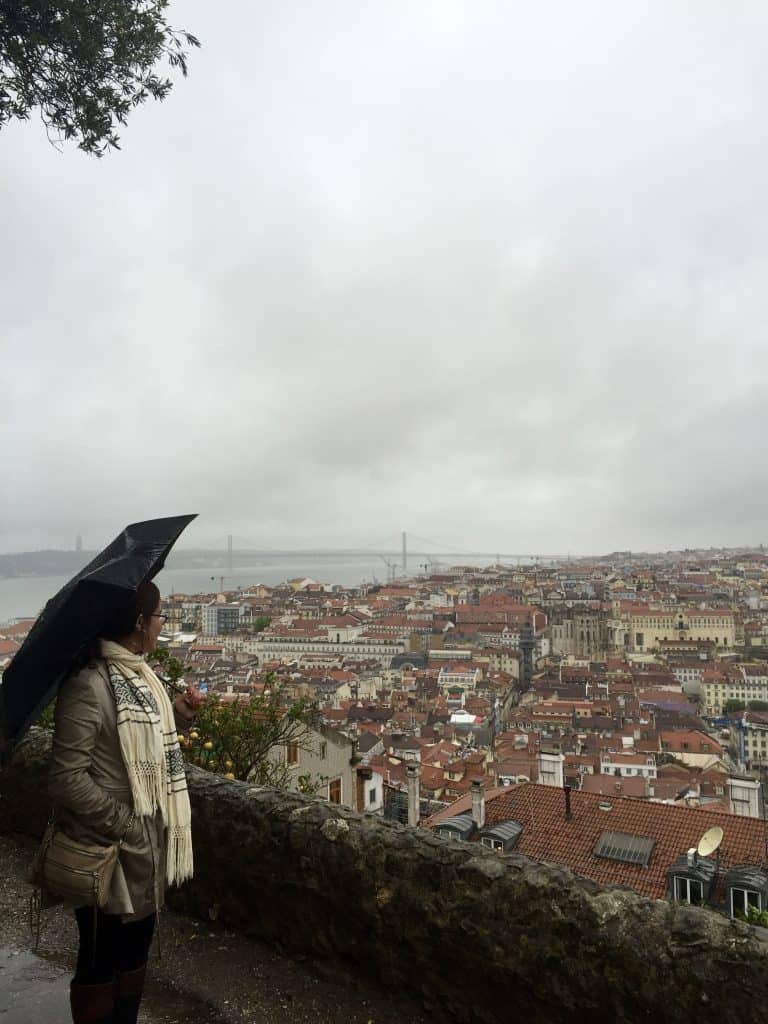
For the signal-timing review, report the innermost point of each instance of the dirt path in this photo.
(206, 974)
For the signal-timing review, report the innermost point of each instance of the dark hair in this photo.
(120, 624)
(123, 621)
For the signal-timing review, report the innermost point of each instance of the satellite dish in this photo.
(710, 841)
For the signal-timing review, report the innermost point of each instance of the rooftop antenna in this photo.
(710, 841)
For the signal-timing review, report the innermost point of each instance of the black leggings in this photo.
(118, 947)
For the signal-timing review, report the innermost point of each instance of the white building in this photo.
(689, 675)
(275, 648)
(370, 792)
(741, 682)
(320, 758)
(452, 676)
(628, 765)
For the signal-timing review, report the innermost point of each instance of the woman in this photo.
(118, 775)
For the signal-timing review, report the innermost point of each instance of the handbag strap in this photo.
(36, 896)
(35, 915)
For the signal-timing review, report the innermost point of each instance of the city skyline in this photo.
(395, 554)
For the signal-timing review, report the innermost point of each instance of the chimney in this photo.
(478, 803)
(413, 773)
(692, 857)
(568, 814)
(551, 768)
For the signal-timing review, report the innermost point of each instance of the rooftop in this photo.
(548, 836)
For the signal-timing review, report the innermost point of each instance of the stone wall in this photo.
(482, 938)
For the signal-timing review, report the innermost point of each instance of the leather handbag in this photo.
(71, 871)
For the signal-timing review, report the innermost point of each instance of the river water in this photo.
(23, 597)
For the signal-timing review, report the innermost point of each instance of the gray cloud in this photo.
(493, 273)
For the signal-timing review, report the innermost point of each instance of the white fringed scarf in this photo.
(150, 748)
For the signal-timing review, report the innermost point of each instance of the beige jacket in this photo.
(91, 794)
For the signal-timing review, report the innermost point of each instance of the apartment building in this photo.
(628, 764)
(461, 677)
(749, 738)
(221, 619)
(737, 682)
(689, 674)
(323, 758)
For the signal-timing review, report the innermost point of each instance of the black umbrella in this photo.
(74, 617)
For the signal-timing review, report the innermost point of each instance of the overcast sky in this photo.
(492, 273)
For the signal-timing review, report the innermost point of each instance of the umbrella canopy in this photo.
(74, 617)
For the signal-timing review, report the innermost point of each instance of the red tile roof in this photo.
(547, 836)
(20, 628)
(431, 779)
(692, 742)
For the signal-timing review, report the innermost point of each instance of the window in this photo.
(688, 890)
(372, 796)
(625, 847)
(742, 899)
(493, 844)
(292, 753)
(323, 750)
(334, 791)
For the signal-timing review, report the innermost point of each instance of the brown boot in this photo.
(130, 986)
(92, 1004)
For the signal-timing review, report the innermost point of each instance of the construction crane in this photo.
(221, 582)
(430, 565)
(391, 568)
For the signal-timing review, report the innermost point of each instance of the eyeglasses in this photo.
(159, 615)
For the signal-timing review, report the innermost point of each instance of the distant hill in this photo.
(67, 563)
(44, 563)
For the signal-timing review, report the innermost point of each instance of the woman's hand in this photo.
(187, 703)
